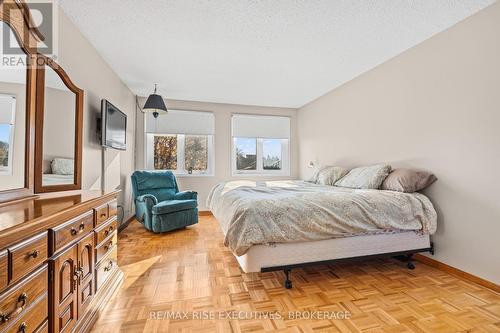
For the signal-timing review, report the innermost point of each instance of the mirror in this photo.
(13, 110)
(58, 130)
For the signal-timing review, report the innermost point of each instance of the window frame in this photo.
(181, 140)
(8, 170)
(260, 171)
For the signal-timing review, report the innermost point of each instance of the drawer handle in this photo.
(108, 246)
(34, 254)
(108, 231)
(75, 232)
(22, 328)
(103, 214)
(78, 273)
(109, 266)
(21, 303)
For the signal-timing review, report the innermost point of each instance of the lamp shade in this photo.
(155, 103)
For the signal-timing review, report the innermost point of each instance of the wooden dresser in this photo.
(58, 261)
(58, 251)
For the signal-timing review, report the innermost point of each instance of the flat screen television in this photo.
(113, 126)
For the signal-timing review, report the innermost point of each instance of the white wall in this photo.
(90, 72)
(222, 112)
(437, 107)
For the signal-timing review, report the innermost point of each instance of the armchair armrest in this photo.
(143, 208)
(149, 199)
(186, 195)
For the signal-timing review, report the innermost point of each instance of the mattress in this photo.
(259, 257)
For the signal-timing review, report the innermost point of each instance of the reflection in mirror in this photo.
(12, 115)
(58, 131)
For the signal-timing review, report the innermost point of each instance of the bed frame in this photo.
(406, 256)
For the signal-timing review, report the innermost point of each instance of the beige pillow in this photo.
(408, 180)
(328, 175)
(62, 166)
(369, 177)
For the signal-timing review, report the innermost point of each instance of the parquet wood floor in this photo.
(191, 271)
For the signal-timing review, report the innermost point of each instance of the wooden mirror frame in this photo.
(16, 15)
(43, 61)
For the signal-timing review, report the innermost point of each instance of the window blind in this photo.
(181, 122)
(257, 126)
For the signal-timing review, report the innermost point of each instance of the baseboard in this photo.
(126, 223)
(455, 271)
(205, 213)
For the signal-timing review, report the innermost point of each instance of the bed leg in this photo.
(288, 283)
(409, 259)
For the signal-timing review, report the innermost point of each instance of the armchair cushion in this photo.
(147, 180)
(171, 206)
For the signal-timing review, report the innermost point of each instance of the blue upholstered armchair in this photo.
(158, 203)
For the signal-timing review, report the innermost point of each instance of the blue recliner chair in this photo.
(158, 203)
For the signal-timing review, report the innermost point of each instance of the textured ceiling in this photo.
(268, 52)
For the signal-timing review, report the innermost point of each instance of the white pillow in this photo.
(329, 175)
(63, 166)
(369, 177)
(314, 176)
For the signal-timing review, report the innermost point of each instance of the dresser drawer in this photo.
(44, 328)
(28, 254)
(106, 267)
(103, 231)
(112, 208)
(101, 214)
(103, 248)
(71, 231)
(18, 299)
(34, 317)
(4, 270)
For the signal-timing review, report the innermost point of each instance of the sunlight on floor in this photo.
(134, 271)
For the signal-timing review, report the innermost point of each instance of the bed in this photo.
(55, 179)
(58, 171)
(280, 225)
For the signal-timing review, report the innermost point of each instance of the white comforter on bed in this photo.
(269, 212)
(55, 179)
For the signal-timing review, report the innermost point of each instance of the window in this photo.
(7, 115)
(165, 152)
(271, 154)
(181, 141)
(246, 154)
(260, 145)
(196, 152)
